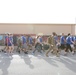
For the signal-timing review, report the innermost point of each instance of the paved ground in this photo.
(38, 64)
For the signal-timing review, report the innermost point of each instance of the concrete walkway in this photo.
(38, 64)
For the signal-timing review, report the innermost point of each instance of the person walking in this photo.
(52, 44)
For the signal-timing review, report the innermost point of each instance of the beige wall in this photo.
(75, 29)
(48, 29)
(19, 29)
(37, 28)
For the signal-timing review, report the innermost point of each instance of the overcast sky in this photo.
(38, 11)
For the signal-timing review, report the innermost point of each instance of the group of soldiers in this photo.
(53, 44)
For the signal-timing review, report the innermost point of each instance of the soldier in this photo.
(19, 44)
(52, 44)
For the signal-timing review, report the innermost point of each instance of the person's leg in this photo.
(12, 48)
(73, 49)
(39, 48)
(70, 48)
(34, 50)
(19, 49)
(25, 48)
(28, 46)
(66, 50)
(54, 50)
(57, 51)
(26, 52)
(5, 48)
(9, 50)
(60, 48)
(48, 50)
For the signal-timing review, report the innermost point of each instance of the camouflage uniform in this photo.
(52, 45)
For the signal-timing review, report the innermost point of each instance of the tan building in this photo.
(46, 29)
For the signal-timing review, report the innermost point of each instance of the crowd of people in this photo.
(53, 44)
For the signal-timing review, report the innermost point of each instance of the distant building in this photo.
(17, 28)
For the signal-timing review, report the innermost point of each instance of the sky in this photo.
(38, 11)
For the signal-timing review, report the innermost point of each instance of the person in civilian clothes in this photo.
(5, 42)
(41, 41)
(9, 44)
(24, 44)
(11, 38)
(68, 44)
(38, 44)
(73, 43)
(30, 42)
(62, 41)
